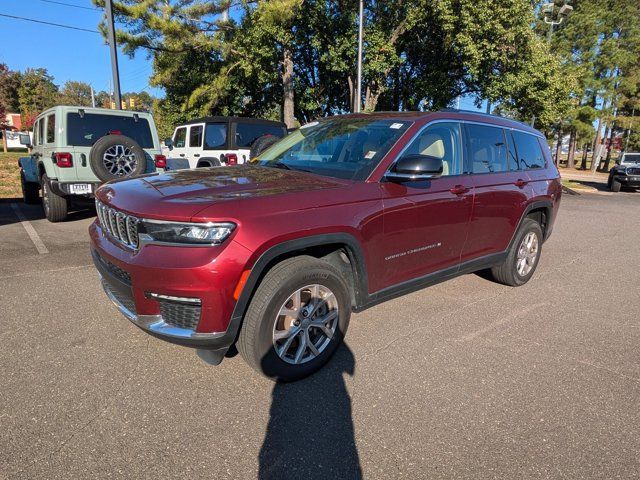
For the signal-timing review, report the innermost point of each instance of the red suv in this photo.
(342, 214)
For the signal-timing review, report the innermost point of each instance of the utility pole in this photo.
(93, 98)
(358, 102)
(114, 53)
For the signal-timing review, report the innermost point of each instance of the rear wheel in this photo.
(296, 319)
(30, 190)
(55, 206)
(523, 256)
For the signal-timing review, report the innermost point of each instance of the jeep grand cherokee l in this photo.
(273, 257)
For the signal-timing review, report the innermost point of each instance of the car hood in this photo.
(180, 195)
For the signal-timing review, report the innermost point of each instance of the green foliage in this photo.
(75, 93)
(9, 84)
(36, 93)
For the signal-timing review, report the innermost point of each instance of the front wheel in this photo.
(615, 185)
(523, 256)
(296, 319)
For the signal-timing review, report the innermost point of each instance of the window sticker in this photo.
(396, 126)
(370, 154)
(310, 124)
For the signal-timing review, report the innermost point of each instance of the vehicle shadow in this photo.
(310, 432)
(8, 214)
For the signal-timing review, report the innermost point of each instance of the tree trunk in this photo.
(352, 94)
(287, 86)
(605, 167)
(596, 142)
(572, 150)
(585, 151)
(558, 148)
(598, 151)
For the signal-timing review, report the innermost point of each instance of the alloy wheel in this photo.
(305, 324)
(119, 160)
(527, 254)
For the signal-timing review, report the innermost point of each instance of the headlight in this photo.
(189, 233)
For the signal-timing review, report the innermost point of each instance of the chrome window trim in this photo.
(470, 122)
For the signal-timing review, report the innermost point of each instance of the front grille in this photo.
(113, 268)
(633, 171)
(179, 314)
(125, 300)
(119, 225)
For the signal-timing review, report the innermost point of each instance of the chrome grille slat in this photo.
(120, 226)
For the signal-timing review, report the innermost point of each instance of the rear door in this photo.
(194, 148)
(501, 190)
(216, 142)
(425, 222)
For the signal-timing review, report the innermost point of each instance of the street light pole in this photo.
(114, 54)
(358, 99)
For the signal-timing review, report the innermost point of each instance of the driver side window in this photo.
(443, 141)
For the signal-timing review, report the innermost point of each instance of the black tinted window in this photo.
(246, 133)
(486, 148)
(180, 140)
(195, 136)
(529, 152)
(51, 128)
(40, 131)
(86, 130)
(215, 136)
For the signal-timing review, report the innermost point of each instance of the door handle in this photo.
(196, 154)
(459, 189)
(182, 154)
(520, 183)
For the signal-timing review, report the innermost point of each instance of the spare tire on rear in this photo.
(117, 156)
(260, 144)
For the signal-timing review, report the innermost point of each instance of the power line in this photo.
(70, 5)
(48, 23)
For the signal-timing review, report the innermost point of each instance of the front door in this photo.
(425, 222)
(194, 149)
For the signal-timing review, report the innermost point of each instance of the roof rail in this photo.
(484, 114)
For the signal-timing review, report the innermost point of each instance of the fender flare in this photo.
(546, 204)
(259, 268)
(212, 161)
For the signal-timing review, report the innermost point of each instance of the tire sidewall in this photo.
(527, 227)
(272, 365)
(103, 144)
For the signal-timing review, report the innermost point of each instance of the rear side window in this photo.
(486, 149)
(36, 126)
(85, 130)
(51, 129)
(180, 140)
(195, 136)
(40, 131)
(215, 136)
(246, 133)
(529, 152)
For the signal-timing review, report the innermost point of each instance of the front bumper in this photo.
(135, 281)
(632, 181)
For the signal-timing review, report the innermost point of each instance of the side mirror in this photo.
(415, 167)
(168, 143)
(25, 140)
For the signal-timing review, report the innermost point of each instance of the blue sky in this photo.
(66, 54)
(71, 54)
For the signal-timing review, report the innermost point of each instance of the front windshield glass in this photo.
(348, 148)
(631, 158)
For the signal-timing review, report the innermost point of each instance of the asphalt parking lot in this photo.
(467, 379)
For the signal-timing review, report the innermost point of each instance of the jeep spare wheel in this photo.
(117, 156)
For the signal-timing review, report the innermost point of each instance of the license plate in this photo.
(80, 188)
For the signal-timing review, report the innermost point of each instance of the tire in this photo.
(508, 272)
(615, 185)
(117, 156)
(55, 207)
(30, 191)
(260, 144)
(208, 163)
(256, 341)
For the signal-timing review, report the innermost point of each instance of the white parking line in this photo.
(33, 235)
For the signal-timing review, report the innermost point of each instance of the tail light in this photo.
(232, 159)
(115, 132)
(63, 159)
(161, 161)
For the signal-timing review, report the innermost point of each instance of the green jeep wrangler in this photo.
(76, 149)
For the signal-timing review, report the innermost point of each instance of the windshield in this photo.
(85, 130)
(631, 158)
(348, 148)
